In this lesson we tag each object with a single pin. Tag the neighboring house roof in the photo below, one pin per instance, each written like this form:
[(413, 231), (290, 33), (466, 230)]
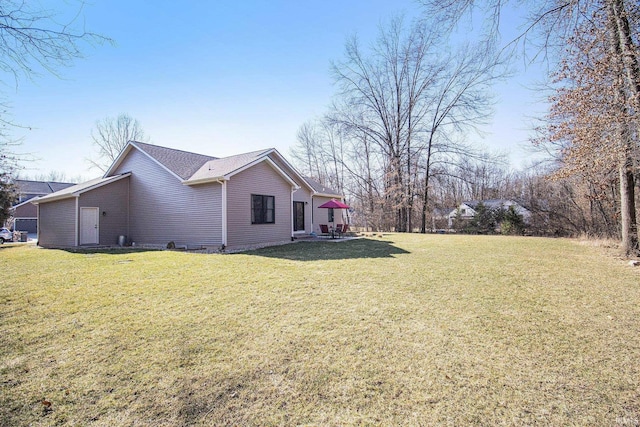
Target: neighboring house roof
[(57, 186), (29, 189), (321, 189), (32, 187), (76, 190)]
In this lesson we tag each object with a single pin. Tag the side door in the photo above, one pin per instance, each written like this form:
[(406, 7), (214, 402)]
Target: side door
[(298, 216), (89, 230)]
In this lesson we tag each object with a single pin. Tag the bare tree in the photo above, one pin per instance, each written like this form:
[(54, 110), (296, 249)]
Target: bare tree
[(32, 40), (111, 135), (462, 100), (307, 151), (406, 102), (383, 96)]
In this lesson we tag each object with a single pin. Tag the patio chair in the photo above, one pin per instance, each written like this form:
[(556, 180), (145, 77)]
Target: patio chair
[(338, 230), (324, 230), (345, 229)]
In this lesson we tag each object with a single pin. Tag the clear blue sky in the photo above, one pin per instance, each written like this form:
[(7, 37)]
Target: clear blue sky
[(215, 77)]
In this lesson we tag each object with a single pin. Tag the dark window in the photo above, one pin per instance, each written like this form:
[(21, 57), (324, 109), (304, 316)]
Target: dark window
[(262, 209), (330, 219)]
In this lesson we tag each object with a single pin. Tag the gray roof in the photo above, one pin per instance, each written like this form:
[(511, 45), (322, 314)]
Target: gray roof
[(39, 187), (320, 188), (57, 186), (182, 163), (218, 168)]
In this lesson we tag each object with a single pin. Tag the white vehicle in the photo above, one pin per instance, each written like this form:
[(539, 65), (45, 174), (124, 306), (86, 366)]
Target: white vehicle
[(5, 235)]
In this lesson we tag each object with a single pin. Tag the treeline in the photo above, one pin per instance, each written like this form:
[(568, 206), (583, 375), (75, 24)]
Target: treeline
[(559, 205)]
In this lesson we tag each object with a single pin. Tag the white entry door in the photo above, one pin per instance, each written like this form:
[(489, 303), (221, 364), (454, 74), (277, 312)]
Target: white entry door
[(89, 226)]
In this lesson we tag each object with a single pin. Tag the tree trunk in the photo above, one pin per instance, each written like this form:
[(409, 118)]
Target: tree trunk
[(629, 227), (626, 63), (425, 197)]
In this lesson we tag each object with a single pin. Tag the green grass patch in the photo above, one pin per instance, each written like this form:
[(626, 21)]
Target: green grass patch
[(393, 330)]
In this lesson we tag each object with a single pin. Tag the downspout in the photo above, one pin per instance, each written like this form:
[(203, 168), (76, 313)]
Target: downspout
[(313, 193), (224, 212), (293, 190), (311, 213), (37, 224), (77, 237), (129, 209)]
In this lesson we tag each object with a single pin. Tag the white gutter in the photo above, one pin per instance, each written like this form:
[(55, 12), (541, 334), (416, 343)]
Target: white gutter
[(190, 182), (333, 196)]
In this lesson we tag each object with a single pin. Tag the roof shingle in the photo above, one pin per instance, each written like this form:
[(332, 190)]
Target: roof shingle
[(319, 188), (182, 163), (220, 167)]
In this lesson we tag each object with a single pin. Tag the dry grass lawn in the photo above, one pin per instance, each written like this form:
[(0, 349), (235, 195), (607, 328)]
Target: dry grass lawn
[(394, 330)]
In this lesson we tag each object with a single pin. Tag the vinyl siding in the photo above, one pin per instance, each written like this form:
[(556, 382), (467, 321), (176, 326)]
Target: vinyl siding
[(28, 210), (286, 169), (162, 209), (259, 179), (111, 199), (57, 223)]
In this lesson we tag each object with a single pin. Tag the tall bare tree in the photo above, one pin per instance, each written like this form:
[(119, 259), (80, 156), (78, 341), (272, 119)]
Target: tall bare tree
[(384, 97), (111, 135), (405, 99), (462, 100)]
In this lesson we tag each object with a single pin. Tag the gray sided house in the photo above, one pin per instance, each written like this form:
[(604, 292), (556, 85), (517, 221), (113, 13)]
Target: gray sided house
[(24, 212), (155, 195)]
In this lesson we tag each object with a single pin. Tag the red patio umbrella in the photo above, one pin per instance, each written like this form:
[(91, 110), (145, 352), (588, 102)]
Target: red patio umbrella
[(333, 204)]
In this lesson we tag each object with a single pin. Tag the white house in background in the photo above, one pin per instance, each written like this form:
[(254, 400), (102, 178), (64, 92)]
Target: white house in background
[(155, 195), (467, 210)]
